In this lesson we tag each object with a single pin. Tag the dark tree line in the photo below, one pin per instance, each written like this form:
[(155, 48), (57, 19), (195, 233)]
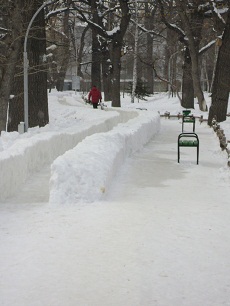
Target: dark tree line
[(17, 15), (108, 22), (221, 84)]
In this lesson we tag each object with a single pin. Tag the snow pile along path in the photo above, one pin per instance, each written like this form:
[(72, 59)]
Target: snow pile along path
[(85, 172), (25, 157)]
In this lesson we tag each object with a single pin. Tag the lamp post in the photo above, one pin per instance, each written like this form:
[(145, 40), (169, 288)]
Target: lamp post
[(26, 65)]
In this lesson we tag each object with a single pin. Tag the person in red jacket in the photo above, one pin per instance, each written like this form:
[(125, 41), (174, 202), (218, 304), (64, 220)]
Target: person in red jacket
[(94, 96)]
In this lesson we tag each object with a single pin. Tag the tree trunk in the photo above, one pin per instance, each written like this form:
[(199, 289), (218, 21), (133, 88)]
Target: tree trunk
[(193, 32), (6, 90), (38, 97), (149, 70), (115, 43), (134, 84), (196, 81), (221, 84), (96, 61), (63, 52), (96, 52), (10, 49), (115, 53), (79, 56), (107, 85), (149, 24), (115, 56), (187, 83), (37, 76)]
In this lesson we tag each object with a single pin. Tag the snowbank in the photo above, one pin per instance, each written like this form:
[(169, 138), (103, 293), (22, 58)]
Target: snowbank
[(85, 172), (23, 158)]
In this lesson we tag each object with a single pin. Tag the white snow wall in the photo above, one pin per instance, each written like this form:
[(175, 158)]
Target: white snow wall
[(84, 173), (22, 159)]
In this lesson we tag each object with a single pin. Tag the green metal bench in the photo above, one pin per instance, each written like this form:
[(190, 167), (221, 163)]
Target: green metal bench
[(188, 119), (188, 140)]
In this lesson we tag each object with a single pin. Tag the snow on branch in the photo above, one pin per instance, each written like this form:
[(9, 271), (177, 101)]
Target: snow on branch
[(207, 46), (92, 24), (2, 36), (101, 31), (143, 29), (51, 48), (57, 11), (3, 29), (114, 31), (171, 26), (4, 32), (217, 10)]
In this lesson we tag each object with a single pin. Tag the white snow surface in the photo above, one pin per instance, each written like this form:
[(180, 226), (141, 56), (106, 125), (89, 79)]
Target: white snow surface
[(72, 174), (96, 210)]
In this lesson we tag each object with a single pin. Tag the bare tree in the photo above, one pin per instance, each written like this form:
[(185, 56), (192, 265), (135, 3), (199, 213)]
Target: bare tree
[(10, 44), (135, 55), (17, 18), (221, 84), (114, 36), (37, 74), (189, 28), (149, 25)]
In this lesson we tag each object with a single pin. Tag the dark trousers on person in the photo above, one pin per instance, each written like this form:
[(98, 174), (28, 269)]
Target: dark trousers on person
[(95, 105)]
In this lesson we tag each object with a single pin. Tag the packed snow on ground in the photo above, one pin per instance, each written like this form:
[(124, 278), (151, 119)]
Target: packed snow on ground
[(96, 210)]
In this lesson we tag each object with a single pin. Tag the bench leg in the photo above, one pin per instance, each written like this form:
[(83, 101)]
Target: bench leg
[(193, 128), (197, 154), (178, 154)]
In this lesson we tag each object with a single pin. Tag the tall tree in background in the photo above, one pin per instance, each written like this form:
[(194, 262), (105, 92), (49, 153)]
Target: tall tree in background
[(37, 75), (106, 62), (11, 30), (96, 50), (18, 16), (187, 81), (221, 84), (59, 33), (170, 16), (192, 28), (149, 24), (115, 47), (135, 53), (114, 36), (191, 21)]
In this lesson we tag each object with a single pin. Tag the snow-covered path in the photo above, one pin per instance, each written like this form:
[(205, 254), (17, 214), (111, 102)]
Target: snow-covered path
[(35, 189), (182, 218), (157, 166), (160, 238)]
